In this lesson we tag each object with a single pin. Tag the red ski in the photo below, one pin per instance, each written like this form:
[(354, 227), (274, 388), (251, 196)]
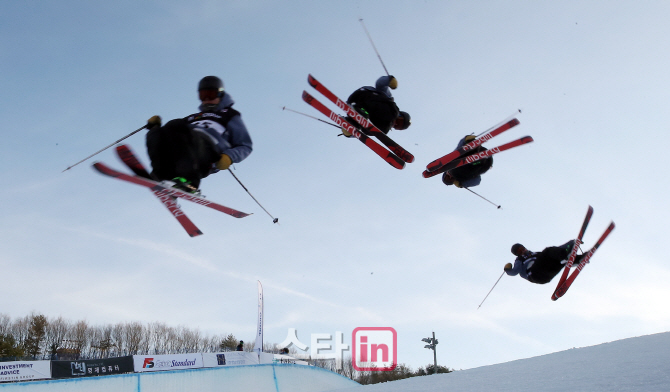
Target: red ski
[(385, 154), (162, 190), (364, 122), (438, 163), (170, 202), (475, 157), (565, 285), (573, 252)]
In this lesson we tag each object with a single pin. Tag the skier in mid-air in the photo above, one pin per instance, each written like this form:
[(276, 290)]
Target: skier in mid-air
[(189, 149), (377, 105), (468, 175), (540, 267)]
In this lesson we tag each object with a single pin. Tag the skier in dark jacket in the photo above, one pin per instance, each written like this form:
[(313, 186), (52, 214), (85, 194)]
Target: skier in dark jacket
[(377, 105), (540, 267), (188, 149), (468, 175)]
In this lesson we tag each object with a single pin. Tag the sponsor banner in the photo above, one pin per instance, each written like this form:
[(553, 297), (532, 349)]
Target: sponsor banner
[(231, 358), (91, 367), (24, 370), (155, 363)]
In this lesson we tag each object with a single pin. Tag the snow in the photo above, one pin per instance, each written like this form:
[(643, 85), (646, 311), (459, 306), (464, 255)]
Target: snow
[(635, 364)]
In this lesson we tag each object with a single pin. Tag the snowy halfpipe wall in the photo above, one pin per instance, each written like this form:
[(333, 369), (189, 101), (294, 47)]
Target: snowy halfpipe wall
[(261, 378)]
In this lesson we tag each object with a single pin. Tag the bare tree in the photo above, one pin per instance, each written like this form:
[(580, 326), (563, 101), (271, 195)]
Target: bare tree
[(118, 337), (56, 332), (19, 330), (5, 322), (79, 339), (134, 334)]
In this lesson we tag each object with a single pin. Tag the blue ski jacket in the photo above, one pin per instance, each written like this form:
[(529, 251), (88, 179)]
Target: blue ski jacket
[(224, 126)]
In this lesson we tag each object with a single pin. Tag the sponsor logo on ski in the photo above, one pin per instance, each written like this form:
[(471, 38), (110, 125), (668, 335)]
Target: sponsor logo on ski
[(478, 142), (481, 155)]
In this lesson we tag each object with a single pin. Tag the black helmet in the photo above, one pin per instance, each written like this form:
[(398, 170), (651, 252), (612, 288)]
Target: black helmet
[(406, 121), (516, 247), (211, 83)]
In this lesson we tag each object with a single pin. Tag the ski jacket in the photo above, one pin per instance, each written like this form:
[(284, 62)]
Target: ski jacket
[(522, 264), (377, 102), (224, 126)]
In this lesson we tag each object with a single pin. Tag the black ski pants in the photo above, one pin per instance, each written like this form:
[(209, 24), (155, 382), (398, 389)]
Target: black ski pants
[(176, 150)]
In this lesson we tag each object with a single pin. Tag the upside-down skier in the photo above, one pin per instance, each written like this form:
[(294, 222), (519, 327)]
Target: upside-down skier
[(189, 149), (540, 267), (468, 175), (377, 105)]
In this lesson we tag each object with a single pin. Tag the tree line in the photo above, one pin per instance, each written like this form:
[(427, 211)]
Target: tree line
[(37, 337)]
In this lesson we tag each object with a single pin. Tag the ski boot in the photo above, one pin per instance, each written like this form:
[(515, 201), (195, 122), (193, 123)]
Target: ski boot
[(185, 185)]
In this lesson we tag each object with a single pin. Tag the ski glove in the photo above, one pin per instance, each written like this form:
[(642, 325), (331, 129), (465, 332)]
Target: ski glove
[(458, 184), (153, 121), (224, 163), (508, 266), (469, 138), (393, 82)]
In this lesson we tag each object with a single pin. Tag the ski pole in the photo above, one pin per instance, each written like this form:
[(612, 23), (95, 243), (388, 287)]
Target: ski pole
[(274, 220), (307, 115), (494, 286), (123, 138), (516, 113), (374, 47), (481, 196)]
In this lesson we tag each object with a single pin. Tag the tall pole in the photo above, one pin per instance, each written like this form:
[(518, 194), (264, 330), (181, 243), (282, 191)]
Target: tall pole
[(434, 356)]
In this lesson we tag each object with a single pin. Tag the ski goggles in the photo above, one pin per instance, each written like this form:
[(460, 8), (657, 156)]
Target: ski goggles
[(210, 94)]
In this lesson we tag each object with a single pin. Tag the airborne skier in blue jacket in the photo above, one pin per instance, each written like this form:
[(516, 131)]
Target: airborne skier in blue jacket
[(189, 149), (540, 267)]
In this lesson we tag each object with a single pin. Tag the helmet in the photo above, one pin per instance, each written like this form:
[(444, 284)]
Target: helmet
[(516, 247), (406, 121), (211, 83)]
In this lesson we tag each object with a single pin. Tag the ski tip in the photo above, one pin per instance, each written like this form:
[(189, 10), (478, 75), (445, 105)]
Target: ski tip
[(306, 96)]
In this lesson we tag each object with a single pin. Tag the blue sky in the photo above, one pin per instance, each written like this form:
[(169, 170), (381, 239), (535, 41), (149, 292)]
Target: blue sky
[(360, 244)]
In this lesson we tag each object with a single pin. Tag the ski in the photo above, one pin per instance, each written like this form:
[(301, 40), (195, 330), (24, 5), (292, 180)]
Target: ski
[(385, 154), (438, 163), (475, 157), (161, 190), (170, 202), (573, 251), (563, 288), (364, 122)]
